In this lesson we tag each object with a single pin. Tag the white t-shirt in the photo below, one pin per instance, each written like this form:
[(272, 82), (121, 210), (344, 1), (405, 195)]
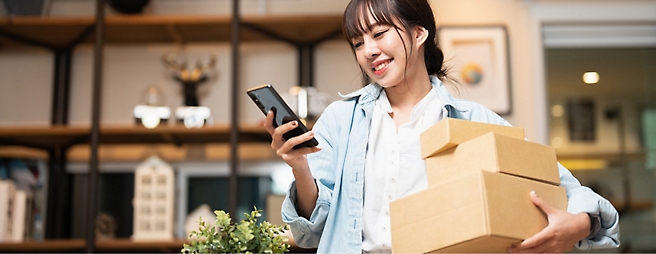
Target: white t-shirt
[(393, 166)]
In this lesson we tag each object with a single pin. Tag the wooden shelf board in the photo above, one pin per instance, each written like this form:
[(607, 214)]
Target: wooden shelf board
[(62, 31), (105, 245), (45, 137), (116, 245), (22, 152), (75, 245), (44, 246)]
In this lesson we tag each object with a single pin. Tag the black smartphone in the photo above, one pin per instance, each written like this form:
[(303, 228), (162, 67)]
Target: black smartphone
[(267, 98)]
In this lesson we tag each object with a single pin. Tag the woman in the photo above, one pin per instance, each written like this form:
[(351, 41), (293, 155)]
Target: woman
[(369, 142)]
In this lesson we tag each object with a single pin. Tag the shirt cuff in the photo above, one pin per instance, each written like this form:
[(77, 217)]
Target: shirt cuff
[(595, 226)]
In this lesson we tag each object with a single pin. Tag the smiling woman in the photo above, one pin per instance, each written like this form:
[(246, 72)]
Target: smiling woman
[(340, 198)]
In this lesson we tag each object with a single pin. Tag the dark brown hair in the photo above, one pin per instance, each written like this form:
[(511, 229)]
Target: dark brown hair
[(408, 14)]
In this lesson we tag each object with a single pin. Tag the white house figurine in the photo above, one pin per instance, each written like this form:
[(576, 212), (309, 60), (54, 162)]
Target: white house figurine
[(154, 188)]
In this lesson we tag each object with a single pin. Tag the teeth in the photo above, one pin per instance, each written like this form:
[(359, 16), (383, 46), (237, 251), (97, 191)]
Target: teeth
[(381, 65)]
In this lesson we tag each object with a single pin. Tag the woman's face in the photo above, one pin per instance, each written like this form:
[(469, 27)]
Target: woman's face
[(382, 54)]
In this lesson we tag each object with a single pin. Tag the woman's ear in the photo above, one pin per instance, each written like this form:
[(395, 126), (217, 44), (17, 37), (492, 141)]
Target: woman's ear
[(421, 34)]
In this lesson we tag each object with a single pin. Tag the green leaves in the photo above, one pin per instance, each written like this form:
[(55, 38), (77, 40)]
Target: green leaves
[(246, 237)]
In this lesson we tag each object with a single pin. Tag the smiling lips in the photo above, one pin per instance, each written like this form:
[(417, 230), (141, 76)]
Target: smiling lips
[(381, 65)]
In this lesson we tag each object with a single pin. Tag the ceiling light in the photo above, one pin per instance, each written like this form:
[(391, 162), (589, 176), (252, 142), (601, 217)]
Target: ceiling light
[(591, 77)]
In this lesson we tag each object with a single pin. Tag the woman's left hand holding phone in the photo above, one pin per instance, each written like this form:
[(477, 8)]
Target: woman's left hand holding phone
[(307, 191)]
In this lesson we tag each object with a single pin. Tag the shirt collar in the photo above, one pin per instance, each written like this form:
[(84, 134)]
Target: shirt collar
[(372, 91), (418, 110)]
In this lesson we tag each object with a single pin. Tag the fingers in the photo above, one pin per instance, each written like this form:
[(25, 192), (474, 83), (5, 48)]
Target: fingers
[(277, 133), (288, 146), (537, 249), (531, 243), (544, 206), (268, 122), (300, 152), (285, 148)]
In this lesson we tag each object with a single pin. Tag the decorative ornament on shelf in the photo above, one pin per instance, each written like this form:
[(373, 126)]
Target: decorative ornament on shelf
[(105, 226), (154, 190), (151, 112), (246, 237), (191, 114), (307, 102)]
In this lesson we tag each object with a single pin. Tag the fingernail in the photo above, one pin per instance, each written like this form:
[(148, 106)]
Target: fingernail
[(311, 134), (533, 193), (294, 123)]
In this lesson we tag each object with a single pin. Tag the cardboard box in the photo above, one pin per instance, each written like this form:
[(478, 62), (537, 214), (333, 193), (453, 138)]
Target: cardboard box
[(496, 153), (480, 212), (450, 132)]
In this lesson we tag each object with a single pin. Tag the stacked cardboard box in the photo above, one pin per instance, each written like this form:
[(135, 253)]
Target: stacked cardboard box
[(480, 177)]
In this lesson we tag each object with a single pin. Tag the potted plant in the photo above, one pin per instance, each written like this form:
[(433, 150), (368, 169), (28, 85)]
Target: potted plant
[(248, 236)]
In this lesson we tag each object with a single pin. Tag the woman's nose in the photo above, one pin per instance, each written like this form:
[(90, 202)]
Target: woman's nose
[(371, 50)]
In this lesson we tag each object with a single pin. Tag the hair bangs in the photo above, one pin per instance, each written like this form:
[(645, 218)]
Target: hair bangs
[(356, 17)]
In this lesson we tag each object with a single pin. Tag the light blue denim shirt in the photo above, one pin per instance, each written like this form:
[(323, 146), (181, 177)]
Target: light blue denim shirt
[(335, 225)]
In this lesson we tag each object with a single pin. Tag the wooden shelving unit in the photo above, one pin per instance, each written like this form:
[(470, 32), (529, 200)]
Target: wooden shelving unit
[(62, 34)]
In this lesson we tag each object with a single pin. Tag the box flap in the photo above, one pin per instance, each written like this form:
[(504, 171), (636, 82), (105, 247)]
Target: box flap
[(450, 132), (495, 153)]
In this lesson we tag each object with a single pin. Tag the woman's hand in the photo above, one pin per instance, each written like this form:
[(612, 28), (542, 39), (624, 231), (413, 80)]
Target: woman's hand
[(284, 148), (306, 189), (562, 233)]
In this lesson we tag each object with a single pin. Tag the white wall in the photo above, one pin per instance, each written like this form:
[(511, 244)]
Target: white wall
[(26, 78)]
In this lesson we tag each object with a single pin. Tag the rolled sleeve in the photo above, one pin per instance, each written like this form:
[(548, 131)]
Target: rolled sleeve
[(582, 199), (307, 233)]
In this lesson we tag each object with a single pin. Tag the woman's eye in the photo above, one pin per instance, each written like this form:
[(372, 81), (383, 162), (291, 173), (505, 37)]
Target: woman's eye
[(378, 34), (357, 44)]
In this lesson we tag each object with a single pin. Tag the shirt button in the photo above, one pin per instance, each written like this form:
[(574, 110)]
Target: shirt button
[(389, 197), (393, 180), (384, 228), (386, 213)]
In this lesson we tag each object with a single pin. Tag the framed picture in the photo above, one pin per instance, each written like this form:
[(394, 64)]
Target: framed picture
[(478, 59)]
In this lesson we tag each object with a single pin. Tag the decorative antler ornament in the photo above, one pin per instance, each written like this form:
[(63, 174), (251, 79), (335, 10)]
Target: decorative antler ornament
[(190, 78), (192, 114)]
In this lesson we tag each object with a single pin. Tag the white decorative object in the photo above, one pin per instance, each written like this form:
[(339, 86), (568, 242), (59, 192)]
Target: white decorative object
[(193, 117), (151, 116), (20, 215), (152, 111), (153, 200), (7, 190), (202, 212), (307, 102)]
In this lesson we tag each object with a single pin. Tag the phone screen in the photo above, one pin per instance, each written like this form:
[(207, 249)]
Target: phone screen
[(267, 99)]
